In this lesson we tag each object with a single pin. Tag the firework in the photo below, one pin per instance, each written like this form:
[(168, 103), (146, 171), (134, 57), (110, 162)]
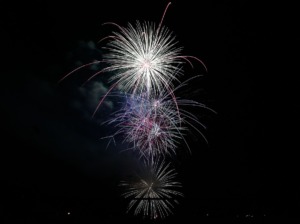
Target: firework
[(145, 63), (151, 129), (155, 126), (143, 58), (155, 193)]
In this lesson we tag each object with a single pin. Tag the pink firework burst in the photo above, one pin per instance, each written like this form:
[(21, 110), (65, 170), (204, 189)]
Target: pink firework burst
[(155, 126)]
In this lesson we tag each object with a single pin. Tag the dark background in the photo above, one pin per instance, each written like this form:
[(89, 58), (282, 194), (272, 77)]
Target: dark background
[(55, 168)]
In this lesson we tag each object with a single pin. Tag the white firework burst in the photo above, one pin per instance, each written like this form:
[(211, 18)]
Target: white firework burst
[(143, 57), (154, 194)]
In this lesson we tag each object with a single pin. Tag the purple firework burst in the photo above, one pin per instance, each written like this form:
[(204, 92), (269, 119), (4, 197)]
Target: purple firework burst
[(154, 126)]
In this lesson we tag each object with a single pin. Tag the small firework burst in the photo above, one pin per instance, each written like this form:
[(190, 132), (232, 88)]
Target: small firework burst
[(155, 193)]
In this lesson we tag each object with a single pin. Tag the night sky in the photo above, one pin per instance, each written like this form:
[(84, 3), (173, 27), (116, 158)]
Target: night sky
[(57, 169)]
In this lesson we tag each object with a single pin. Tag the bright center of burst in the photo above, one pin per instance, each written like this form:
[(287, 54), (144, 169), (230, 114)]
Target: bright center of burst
[(156, 103), (146, 64), (146, 61)]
